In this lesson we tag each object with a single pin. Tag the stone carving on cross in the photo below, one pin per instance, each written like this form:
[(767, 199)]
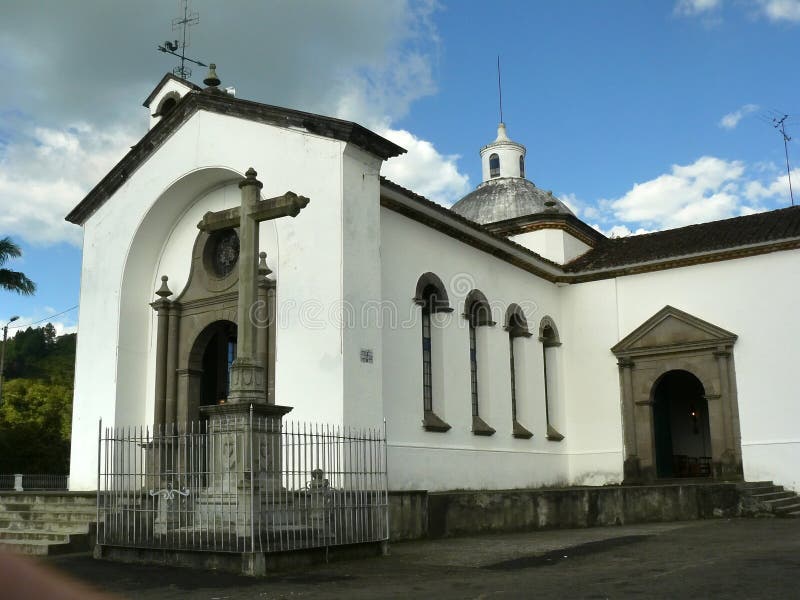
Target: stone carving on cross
[(247, 374)]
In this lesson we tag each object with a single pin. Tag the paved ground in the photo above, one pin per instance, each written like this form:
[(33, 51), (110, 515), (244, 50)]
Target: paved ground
[(755, 558)]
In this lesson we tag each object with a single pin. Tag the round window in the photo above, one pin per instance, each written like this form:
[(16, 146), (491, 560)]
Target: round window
[(223, 247)]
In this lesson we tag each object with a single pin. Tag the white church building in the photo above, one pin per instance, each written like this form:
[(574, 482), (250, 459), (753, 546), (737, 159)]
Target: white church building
[(506, 343)]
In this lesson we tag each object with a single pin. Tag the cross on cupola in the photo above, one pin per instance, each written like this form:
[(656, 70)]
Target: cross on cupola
[(247, 373)]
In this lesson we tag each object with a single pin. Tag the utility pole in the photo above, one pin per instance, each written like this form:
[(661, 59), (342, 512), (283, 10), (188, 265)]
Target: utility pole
[(780, 125), (3, 354)]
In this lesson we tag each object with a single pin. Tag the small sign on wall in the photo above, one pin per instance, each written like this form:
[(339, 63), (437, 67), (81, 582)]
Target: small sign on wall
[(366, 355)]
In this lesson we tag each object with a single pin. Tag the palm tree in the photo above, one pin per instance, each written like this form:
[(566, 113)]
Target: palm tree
[(13, 280)]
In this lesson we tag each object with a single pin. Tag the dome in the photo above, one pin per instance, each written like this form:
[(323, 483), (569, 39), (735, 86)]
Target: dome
[(505, 198)]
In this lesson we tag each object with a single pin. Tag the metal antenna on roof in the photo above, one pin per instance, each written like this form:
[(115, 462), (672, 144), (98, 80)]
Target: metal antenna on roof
[(499, 88), (183, 23), (780, 125)]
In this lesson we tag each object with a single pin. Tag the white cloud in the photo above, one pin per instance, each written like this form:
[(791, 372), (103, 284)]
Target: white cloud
[(424, 170), (367, 62), (708, 189), (780, 10), (618, 231), (696, 7), (731, 120), (45, 172)]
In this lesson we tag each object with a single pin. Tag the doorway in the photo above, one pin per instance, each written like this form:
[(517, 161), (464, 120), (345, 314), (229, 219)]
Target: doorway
[(681, 430), (218, 356)]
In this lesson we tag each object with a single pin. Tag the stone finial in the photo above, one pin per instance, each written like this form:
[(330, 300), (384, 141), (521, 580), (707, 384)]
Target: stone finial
[(164, 290), (250, 179), (263, 269), (211, 79)]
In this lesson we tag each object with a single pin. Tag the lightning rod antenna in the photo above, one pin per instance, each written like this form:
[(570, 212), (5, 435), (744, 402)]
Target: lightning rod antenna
[(178, 47), (499, 88), (780, 125)]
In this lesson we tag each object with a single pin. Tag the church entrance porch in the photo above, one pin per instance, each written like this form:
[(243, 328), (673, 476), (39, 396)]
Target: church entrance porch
[(677, 376), (680, 426)]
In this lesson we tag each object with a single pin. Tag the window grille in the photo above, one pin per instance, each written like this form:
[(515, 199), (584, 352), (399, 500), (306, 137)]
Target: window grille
[(473, 368), (427, 383), (494, 165)]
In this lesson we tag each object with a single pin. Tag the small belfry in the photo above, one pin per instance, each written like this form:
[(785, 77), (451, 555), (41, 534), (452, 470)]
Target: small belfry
[(503, 157)]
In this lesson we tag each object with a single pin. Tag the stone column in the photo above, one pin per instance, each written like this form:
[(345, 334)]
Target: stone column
[(631, 466), (247, 375), (729, 461), (171, 415), (272, 331), (161, 306)]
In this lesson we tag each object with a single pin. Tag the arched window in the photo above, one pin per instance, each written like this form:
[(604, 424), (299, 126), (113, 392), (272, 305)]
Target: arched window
[(548, 336), (494, 165), (167, 104), (517, 328), (522, 166), (478, 313), (432, 298)]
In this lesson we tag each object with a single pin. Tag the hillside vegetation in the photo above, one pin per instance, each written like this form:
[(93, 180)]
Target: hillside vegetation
[(36, 410)]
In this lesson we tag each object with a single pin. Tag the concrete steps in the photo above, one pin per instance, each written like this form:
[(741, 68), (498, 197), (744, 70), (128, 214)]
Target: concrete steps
[(47, 523), (764, 497)]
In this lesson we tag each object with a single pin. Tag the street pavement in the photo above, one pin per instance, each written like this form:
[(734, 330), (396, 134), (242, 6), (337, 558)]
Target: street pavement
[(725, 558)]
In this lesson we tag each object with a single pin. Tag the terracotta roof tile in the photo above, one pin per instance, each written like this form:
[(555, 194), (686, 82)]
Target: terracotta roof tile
[(727, 234)]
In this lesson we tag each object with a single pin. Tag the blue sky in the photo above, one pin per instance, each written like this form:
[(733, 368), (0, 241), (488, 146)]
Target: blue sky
[(642, 115)]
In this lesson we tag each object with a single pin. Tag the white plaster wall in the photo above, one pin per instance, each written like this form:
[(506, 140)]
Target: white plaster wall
[(126, 238), (554, 244), (754, 298), (361, 285), (590, 383), (419, 459)]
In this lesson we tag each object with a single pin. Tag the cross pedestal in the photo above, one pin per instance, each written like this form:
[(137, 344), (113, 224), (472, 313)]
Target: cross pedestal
[(245, 433)]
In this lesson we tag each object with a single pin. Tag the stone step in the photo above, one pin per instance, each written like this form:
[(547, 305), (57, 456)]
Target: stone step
[(54, 526), (45, 517), (783, 502), (35, 535), (788, 510), (49, 497), (773, 496), (47, 508), (747, 485), (75, 543)]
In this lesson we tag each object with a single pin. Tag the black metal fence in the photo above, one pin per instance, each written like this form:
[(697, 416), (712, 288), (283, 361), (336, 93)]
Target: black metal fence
[(238, 484)]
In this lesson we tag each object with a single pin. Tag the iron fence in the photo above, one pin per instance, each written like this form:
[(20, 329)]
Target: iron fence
[(242, 484), (25, 482)]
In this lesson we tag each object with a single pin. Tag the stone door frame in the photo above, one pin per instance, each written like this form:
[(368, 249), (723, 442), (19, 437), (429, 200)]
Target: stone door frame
[(674, 340)]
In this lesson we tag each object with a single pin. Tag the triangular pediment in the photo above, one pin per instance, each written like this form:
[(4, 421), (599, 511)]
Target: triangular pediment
[(673, 329)]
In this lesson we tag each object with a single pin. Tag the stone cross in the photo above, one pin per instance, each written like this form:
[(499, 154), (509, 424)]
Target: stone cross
[(247, 374)]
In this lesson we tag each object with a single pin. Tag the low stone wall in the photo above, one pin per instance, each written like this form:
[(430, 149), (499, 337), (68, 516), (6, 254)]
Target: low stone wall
[(416, 514)]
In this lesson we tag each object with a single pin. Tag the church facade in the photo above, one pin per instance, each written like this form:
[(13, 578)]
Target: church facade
[(505, 342)]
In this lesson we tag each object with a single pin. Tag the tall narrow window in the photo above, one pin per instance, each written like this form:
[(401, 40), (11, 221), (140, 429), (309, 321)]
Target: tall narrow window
[(548, 336), (427, 376), (517, 328), (473, 368), (513, 372), (432, 298), (478, 315), (522, 166), (494, 165)]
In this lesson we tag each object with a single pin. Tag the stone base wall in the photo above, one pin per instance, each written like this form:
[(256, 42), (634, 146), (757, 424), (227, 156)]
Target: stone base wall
[(416, 514)]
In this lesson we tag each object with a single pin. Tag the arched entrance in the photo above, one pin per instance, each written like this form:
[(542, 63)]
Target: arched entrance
[(212, 355), (680, 426), (693, 360), (218, 357)]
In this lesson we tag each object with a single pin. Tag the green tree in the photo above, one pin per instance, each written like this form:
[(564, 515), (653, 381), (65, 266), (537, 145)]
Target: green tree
[(14, 281)]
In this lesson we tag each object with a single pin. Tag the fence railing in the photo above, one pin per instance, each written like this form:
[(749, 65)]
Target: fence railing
[(26, 482), (242, 484)]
